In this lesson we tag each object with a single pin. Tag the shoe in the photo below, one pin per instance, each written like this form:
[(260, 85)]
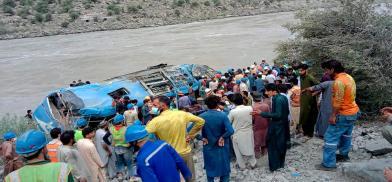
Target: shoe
[(321, 167), (342, 158)]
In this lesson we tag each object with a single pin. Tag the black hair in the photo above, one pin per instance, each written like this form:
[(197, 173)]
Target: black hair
[(324, 64), (134, 101), (294, 81), (238, 99), (245, 92), (269, 72), (290, 69), (28, 111), (35, 155), (88, 82), (55, 132), (212, 101), (303, 66), (271, 87), (335, 65), (165, 100), (126, 97), (66, 137), (282, 88), (87, 131)]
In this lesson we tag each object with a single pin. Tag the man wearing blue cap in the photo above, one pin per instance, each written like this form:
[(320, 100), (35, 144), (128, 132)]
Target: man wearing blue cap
[(11, 159), (156, 161), (121, 148), (31, 145)]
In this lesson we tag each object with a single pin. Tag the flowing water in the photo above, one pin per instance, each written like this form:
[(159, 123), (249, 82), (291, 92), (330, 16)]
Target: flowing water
[(30, 68)]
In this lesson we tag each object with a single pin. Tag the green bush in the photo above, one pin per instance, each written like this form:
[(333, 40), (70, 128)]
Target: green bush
[(87, 4), (113, 9), (74, 15), (132, 9), (42, 6), (48, 17), (10, 3), (179, 3), (66, 6), (24, 12), (217, 2), (38, 17), (207, 3), (3, 28), (14, 123), (26, 2), (194, 4), (354, 34), (64, 24), (177, 12), (8, 9)]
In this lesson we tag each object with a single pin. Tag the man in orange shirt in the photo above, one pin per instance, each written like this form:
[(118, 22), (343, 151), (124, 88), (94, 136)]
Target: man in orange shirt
[(341, 122)]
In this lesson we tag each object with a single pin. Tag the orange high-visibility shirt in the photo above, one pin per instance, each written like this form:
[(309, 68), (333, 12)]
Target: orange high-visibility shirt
[(343, 95), (52, 147)]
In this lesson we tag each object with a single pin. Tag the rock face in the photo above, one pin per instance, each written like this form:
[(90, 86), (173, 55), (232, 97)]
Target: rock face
[(371, 170), (379, 147)]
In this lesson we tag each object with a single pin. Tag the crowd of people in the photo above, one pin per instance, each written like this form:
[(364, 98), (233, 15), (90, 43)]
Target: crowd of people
[(239, 115)]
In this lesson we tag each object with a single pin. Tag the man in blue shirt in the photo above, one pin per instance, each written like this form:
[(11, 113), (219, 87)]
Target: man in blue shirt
[(156, 161)]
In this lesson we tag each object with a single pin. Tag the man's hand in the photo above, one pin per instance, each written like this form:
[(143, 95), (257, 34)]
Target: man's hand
[(388, 174), (188, 139), (221, 142), (332, 119), (205, 141), (255, 113), (306, 90)]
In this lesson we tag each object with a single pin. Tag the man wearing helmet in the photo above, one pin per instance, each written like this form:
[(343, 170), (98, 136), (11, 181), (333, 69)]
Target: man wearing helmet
[(122, 150), (152, 156), (11, 159), (31, 145)]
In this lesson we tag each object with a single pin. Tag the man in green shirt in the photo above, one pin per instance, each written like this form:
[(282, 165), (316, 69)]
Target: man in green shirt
[(32, 146), (308, 106), (278, 134)]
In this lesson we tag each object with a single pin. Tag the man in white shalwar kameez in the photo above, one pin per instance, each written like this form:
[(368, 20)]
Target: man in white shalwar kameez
[(243, 141), (104, 150), (89, 153), (68, 154)]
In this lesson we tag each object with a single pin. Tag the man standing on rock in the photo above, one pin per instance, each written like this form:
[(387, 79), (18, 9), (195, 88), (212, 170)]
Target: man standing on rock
[(344, 114), (277, 136)]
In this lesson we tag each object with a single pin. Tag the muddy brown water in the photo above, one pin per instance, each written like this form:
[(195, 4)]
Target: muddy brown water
[(30, 68)]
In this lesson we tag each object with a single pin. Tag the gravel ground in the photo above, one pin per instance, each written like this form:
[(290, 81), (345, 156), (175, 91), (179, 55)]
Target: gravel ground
[(300, 160)]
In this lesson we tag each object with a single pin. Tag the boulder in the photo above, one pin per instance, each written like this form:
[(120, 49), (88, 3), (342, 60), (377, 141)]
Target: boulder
[(379, 147), (370, 170)]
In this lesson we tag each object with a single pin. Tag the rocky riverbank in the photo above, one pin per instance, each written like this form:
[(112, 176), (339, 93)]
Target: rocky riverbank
[(27, 18)]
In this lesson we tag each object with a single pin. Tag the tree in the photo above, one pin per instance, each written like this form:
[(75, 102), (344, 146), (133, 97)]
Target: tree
[(353, 33)]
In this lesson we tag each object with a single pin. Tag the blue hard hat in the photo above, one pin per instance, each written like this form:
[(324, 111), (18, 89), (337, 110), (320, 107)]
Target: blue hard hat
[(30, 141), (81, 122), (244, 79), (238, 82), (135, 132), (129, 106), (118, 119), (9, 135)]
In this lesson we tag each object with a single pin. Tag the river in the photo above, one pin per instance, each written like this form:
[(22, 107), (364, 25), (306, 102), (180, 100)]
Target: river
[(32, 67)]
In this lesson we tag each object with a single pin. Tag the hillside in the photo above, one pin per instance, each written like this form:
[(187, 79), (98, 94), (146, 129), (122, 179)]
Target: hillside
[(32, 18)]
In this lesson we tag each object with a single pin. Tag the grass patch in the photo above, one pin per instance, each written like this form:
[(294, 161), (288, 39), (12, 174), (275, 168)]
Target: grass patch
[(113, 9)]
